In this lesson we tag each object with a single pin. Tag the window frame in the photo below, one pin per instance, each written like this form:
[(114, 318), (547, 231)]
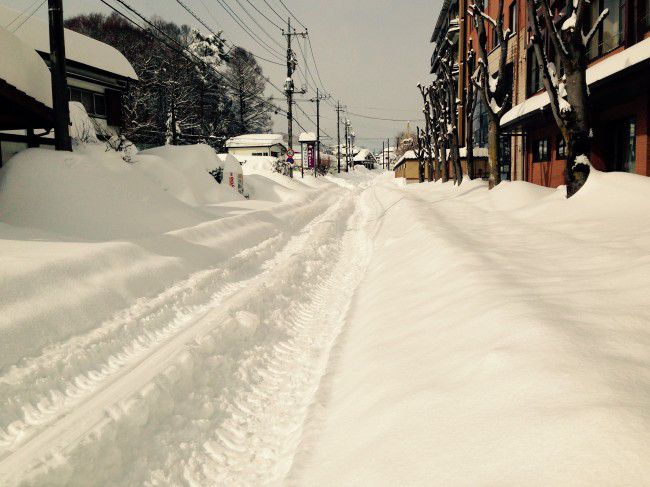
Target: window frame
[(93, 95), (513, 12), (536, 150)]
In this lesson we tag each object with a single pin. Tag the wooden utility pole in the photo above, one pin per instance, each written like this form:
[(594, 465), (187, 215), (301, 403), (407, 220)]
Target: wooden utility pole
[(383, 155), (338, 134), (59, 83), (289, 88), (388, 149), (317, 134)]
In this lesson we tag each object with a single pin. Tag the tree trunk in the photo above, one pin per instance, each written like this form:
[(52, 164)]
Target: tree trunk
[(578, 140), (494, 144), (455, 157), (443, 164)]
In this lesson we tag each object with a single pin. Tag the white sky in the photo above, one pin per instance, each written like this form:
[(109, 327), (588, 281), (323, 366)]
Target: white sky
[(370, 53)]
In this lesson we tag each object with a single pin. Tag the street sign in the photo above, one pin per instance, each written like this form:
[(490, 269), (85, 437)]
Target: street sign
[(290, 160), (290, 153)]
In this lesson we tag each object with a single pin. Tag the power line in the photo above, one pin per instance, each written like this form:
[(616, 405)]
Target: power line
[(181, 50), (258, 24), (385, 119), (311, 49), (238, 20), (291, 13), (198, 19), (26, 18), (274, 11), (263, 15)]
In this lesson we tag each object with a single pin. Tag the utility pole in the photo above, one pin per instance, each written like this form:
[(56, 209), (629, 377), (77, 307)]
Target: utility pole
[(289, 87), (347, 145), (59, 83), (338, 133), (383, 155), (317, 134), (388, 157)]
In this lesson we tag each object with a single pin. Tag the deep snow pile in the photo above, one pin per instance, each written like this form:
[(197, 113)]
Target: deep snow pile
[(498, 338), (184, 172), (85, 235)]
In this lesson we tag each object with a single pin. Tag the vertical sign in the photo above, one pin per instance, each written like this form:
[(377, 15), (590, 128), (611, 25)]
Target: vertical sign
[(311, 155)]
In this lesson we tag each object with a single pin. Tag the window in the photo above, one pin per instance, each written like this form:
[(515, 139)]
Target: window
[(505, 161), (561, 148), (513, 17), (480, 124), (611, 33), (94, 103), (625, 146), (534, 76), (540, 150), (275, 154)]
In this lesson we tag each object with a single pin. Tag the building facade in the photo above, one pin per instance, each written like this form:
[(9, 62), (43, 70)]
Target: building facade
[(97, 76), (532, 149), (271, 145)]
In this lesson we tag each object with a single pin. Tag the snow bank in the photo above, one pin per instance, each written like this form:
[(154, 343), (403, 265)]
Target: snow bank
[(184, 172), (90, 195), (23, 68), (499, 338)]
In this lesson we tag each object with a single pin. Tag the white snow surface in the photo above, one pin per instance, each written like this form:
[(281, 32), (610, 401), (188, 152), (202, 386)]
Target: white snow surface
[(340, 331), (23, 68), (80, 48), (255, 140), (609, 66)]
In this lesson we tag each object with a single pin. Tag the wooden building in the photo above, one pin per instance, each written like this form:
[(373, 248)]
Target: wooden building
[(97, 76)]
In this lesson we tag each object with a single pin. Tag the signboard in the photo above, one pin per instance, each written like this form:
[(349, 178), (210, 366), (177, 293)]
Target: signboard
[(311, 155), (290, 160), (290, 154)]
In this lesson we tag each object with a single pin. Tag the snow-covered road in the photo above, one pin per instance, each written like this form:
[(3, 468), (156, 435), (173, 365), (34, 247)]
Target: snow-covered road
[(374, 334)]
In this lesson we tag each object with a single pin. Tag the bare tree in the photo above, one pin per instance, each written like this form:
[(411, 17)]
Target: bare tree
[(247, 85), (420, 152), (428, 137), (438, 103), (470, 109), (566, 84), (451, 101), (494, 89)]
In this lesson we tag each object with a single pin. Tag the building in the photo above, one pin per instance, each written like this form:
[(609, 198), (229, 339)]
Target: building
[(97, 76), (365, 158), (620, 97), (25, 94), (272, 145), (408, 167), (532, 149)]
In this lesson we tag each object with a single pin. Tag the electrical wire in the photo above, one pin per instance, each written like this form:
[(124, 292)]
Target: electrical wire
[(28, 17), (198, 19), (291, 13)]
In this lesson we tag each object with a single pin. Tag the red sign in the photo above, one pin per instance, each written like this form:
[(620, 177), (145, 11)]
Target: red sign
[(290, 153)]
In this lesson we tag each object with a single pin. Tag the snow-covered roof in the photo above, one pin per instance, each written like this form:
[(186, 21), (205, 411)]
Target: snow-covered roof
[(79, 48), (255, 140), (362, 156), (408, 155), (307, 137), (23, 68), (625, 59)]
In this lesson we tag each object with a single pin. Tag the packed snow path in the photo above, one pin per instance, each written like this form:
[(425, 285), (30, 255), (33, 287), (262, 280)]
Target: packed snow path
[(422, 335), (207, 393)]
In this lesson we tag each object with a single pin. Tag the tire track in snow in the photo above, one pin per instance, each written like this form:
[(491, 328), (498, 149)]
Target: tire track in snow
[(47, 444), (257, 442)]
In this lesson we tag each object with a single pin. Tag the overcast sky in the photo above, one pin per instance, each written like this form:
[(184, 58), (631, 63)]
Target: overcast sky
[(370, 53)]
